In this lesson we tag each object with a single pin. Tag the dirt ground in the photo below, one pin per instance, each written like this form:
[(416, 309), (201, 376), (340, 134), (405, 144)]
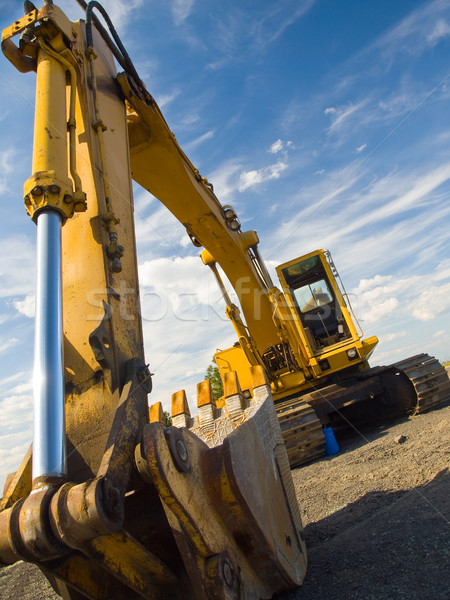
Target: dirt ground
[(376, 519)]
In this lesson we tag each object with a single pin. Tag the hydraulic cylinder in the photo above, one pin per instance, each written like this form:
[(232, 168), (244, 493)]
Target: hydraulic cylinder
[(48, 380), (50, 167)]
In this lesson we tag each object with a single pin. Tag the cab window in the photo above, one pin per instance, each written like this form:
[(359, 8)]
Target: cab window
[(312, 295)]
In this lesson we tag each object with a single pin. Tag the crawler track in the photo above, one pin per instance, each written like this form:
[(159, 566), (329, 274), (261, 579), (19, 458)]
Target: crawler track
[(430, 380), (411, 386), (301, 429)]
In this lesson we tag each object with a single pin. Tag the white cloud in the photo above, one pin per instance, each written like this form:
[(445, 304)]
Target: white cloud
[(439, 333), (181, 9), (278, 19), (165, 99), (342, 116), (157, 230), (276, 147), (249, 32), (441, 30), (6, 167), (16, 408), (181, 284), (17, 267), (387, 219), (419, 30), (7, 343), (361, 148), (280, 146), (13, 447), (379, 307), (26, 306), (198, 141), (249, 179), (226, 179), (183, 322), (119, 12), (422, 297), (390, 337), (431, 303)]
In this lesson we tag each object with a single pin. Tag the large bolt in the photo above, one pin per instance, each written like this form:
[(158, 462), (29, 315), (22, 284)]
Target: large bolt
[(178, 449), (112, 500), (228, 575), (116, 265), (222, 580), (37, 191), (182, 450)]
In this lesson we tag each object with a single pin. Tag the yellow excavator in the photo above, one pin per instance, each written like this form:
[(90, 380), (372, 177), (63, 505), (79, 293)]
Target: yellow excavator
[(109, 502)]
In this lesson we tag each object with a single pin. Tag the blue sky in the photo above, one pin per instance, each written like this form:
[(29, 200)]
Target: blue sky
[(324, 123)]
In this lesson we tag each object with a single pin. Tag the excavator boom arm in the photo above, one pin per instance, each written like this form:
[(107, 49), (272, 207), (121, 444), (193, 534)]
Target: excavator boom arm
[(160, 166)]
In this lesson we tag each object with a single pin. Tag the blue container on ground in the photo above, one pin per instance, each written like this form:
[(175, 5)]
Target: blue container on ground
[(331, 445)]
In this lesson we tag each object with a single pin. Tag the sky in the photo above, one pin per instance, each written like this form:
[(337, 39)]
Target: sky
[(325, 124)]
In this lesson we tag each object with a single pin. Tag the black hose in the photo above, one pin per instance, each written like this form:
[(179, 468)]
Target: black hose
[(118, 49), (28, 6)]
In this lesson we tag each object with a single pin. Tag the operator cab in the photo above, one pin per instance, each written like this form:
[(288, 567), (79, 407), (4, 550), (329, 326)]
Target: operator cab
[(315, 299)]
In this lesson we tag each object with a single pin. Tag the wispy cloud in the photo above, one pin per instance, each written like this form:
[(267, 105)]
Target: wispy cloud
[(119, 12), (421, 29), (252, 178), (343, 116), (17, 272), (165, 99), (7, 343), (198, 141), (6, 167), (181, 9), (441, 30), (16, 407), (226, 178), (244, 32), (281, 15), (379, 220)]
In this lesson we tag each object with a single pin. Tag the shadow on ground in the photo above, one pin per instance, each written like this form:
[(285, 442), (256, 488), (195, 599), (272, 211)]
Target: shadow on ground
[(372, 549)]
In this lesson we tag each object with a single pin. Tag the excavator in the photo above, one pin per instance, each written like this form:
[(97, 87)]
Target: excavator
[(109, 502)]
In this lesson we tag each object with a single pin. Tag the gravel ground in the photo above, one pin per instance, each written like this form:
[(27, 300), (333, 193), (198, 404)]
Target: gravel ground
[(376, 516), (376, 519)]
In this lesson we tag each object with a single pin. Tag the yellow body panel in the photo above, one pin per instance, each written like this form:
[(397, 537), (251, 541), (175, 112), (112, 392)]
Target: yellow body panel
[(316, 363)]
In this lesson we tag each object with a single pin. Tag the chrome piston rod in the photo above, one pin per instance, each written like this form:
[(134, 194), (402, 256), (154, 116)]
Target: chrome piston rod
[(48, 379)]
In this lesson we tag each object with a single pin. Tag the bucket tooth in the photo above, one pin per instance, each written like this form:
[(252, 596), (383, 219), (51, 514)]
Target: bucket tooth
[(258, 376), (156, 413), (234, 400), (181, 415), (205, 404)]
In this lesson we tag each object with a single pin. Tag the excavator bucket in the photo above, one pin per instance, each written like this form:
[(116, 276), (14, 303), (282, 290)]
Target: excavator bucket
[(212, 512)]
